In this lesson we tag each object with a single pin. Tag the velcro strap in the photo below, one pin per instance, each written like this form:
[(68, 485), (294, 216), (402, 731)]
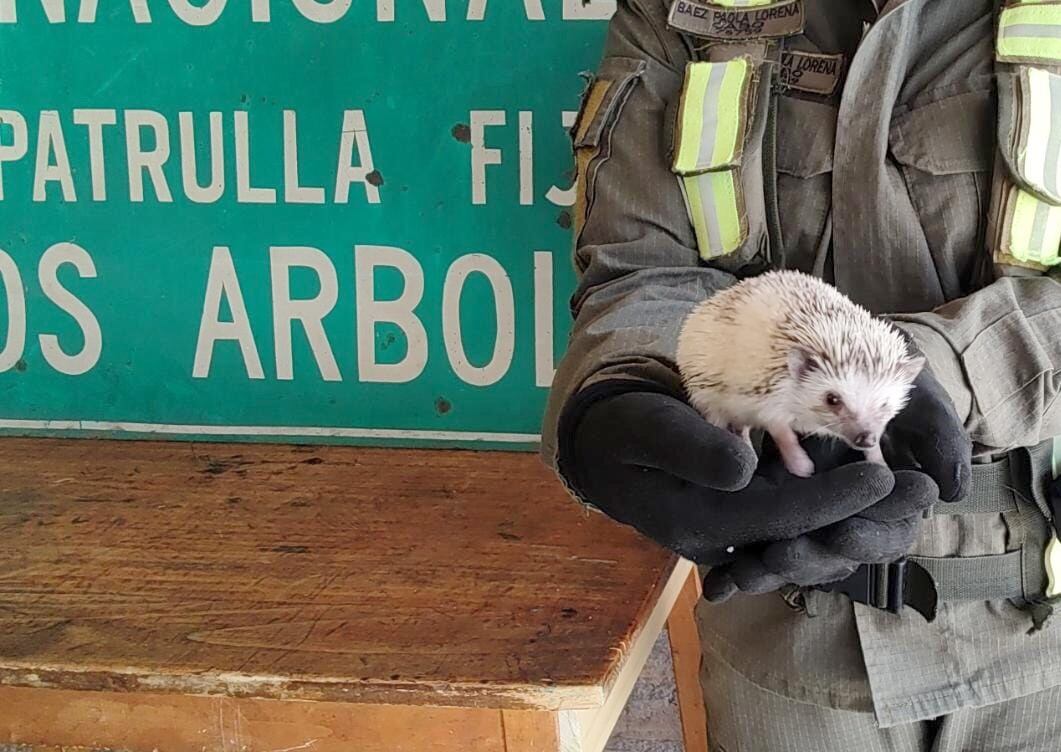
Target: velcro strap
[(1030, 33), (713, 116), (1026, 228), (990, 491), (716, 210), (975, 578)]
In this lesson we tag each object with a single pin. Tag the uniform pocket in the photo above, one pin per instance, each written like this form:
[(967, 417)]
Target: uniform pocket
[(602, 104), (944, 153), (805, 143)]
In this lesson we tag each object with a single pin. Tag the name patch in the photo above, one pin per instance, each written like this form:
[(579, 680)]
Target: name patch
[(725, 23), (807, 71)]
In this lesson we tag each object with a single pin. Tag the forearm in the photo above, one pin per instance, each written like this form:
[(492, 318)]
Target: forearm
[(998, 353)]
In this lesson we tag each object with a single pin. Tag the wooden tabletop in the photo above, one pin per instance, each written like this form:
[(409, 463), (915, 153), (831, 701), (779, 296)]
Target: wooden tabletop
[(321, 573)]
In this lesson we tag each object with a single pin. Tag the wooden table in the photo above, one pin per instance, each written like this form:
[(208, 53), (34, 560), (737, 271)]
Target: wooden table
[(235, 598)]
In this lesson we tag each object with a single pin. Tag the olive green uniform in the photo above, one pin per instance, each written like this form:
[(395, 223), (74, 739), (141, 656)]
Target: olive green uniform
[(883, 187)]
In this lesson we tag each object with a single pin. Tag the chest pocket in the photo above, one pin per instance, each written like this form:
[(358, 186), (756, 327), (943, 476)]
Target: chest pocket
[(943, 150), (805, 142)]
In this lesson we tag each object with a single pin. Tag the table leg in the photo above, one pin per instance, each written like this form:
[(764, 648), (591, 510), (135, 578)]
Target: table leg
[(685, 650)]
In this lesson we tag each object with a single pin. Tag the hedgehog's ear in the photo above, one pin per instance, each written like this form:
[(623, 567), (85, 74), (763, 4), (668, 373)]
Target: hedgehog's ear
[(911, 366), (801, 363)]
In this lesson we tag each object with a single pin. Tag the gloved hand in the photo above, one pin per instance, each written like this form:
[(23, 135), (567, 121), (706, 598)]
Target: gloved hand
[(926, 435), (880, 534), (651, 461)]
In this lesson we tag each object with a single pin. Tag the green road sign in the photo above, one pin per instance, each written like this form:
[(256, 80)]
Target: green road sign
[(289, 220)]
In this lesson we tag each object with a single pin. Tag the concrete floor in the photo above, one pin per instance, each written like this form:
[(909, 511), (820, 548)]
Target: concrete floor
[(651, 722)]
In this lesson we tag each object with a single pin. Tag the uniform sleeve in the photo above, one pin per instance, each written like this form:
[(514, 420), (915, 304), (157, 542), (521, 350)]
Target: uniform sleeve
[(998, 354), (637, 265)]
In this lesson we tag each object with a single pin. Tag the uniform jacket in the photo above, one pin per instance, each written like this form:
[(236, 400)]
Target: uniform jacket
[(882, 189)]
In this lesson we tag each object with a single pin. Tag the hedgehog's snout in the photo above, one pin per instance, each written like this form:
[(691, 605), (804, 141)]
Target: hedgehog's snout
[(865, 440)]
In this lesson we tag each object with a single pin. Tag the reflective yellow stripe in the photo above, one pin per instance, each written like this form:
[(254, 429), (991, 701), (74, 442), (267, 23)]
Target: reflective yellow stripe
[(1030, 32), (1034, 229), (711, 115), (716, 211)]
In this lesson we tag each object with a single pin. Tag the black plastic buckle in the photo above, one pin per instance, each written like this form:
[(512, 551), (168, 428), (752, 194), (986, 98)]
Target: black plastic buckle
[(891, 587)]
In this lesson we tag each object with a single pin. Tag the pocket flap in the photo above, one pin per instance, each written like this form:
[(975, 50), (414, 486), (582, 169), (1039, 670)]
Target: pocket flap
[(807, 147), (946, 137), (1029, 131), (713, 114), (609, 89)]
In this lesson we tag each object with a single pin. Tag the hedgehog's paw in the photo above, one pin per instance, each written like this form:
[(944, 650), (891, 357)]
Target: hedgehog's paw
[(875, 455), (800, 465), (796, 459)]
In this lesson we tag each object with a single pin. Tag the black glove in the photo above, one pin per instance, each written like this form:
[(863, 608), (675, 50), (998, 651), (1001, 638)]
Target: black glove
[(651, 461), (927, 435), (880, 534)]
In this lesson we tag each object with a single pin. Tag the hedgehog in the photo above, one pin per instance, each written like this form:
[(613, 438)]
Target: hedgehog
[(790, 354)]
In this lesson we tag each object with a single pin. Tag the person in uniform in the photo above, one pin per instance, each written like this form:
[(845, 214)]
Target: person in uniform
[(909, 153)]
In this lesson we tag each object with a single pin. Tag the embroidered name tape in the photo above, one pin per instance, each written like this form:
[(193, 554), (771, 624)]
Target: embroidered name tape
[(810, 72), (734, 20), (1030, 33)]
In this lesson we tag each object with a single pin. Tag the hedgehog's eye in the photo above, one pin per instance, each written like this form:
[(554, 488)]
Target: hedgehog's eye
[(832, 399)]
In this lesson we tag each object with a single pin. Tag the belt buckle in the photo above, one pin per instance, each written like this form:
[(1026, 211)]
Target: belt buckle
[(891, 587)]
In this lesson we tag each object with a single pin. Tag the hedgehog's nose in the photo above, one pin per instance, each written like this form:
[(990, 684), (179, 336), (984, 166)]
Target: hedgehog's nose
[(866, 440)]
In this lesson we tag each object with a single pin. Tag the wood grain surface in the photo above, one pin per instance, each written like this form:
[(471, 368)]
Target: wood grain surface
[(319, 573)]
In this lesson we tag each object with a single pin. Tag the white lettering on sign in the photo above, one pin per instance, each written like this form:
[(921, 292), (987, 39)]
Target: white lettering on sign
[(193, 189), (504, 316), (197, 15), (316, 11), (401, 312), (143, 160), (94, 121), (50, 143), (245, 192), (15, 340), (532, 8), (354, 138), (556, 195), (308, 312), (322, 12), (87, 357), (526, 158), (14, 293), (436, 10), (223, 283), (481, 155), (16, 150), (293, 192), (543, 319), (149, 146)]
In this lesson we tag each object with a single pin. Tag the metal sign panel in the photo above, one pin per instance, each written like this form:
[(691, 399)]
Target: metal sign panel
[(290, 220)]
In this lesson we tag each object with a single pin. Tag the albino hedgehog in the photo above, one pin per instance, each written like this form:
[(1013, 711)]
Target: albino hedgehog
[(790, 354)]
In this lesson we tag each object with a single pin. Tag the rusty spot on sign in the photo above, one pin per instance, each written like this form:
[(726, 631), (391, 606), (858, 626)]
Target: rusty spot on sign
[(443, 406), (20, 366), (374, 178), (462, 133), (564, 220)]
